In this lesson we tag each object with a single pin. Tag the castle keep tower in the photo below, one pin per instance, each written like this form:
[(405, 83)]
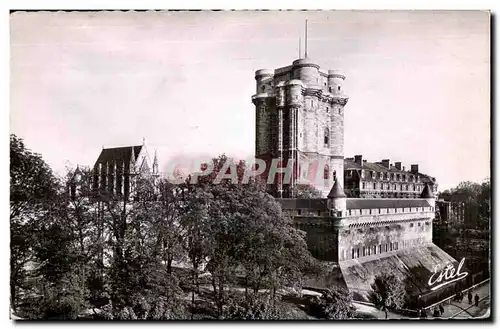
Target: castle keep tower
[(300, 121)]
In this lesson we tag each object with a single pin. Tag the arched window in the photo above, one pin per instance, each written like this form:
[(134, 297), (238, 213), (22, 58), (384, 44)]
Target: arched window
[(327, 137), (263, 88), (326, 172)]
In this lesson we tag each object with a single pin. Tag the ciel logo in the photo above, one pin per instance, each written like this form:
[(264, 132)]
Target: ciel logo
[(447, 275)]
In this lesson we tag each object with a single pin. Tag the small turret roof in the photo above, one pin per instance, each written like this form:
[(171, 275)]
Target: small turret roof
[(337, 191), (427, 192)]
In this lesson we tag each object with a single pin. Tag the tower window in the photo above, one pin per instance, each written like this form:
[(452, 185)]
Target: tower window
[(263, 88), (327, 109), (330, 89), (326, 172), (338, 88), (327, 137)]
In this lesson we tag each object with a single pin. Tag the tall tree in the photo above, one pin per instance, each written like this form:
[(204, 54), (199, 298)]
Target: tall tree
[(306, 191), (33, 187), (245, 230), (388, 293), (334, 304)]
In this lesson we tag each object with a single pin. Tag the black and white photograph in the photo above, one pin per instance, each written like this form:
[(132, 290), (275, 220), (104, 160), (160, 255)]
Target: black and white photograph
[(250, 165)]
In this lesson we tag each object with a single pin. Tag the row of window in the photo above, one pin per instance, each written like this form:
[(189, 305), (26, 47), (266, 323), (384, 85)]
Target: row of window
[(386, 176), (420, 225), (378, 211), (372, 250), (391, 187), (364, 251)]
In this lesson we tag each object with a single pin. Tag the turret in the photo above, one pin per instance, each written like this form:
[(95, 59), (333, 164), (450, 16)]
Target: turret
[(335, 82), (428, 195), (295, 97), (307, 71), (337, 200), (264, 78)]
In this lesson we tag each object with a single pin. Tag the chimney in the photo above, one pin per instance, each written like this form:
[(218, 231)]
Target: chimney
[(358, 159), (414, 168), (397, 165), (386, 163)]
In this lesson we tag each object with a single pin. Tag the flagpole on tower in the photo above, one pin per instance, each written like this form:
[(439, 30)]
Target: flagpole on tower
[(300, 47), (306, 40)]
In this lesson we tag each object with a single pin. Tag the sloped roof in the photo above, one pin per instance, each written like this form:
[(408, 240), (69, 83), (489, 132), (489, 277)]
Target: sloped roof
[(350, 164), (413, 266), (316, 204), (385, 203), (337, 191), (118, 155), (427, 192)]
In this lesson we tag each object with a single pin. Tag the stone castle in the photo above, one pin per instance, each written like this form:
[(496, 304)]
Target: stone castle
[(381, 221), (300, 120)]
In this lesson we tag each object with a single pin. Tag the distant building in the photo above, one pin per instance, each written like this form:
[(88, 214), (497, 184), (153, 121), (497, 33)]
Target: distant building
[(382, 179), (116, 169)]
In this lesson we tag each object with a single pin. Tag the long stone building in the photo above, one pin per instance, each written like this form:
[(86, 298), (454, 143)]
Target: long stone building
[(381, 221)]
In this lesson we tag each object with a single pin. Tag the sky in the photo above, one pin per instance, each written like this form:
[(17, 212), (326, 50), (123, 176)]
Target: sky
[(418, 83)]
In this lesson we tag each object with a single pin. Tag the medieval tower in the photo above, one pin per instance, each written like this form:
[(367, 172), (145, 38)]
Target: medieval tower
[(300, 121)]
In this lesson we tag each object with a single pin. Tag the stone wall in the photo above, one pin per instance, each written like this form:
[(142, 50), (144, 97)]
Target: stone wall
[(360, 242)]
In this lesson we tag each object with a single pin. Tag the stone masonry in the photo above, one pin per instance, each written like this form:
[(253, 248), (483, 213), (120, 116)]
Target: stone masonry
[(300, 118)]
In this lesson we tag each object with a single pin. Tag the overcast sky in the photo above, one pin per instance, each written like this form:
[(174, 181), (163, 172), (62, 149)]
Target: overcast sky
[(418, 83)]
